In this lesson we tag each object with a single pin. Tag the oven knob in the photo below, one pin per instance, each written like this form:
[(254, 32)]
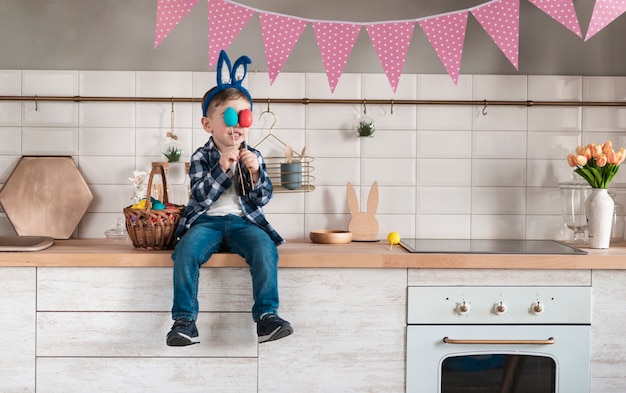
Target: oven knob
[(463, 308), (499, 308), (537, 307)]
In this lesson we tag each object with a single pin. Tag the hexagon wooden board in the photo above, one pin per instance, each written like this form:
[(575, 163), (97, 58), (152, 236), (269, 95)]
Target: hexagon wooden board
[(45, 196)]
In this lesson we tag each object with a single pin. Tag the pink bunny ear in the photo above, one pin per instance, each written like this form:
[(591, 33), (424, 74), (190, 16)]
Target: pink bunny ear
[(372, 199), (353, 202)]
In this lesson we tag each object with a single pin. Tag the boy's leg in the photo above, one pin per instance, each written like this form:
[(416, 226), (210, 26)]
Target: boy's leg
[(194, 249), (261, 254), (255, 245)]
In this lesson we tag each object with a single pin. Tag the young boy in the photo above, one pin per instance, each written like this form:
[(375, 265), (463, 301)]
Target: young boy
[(229, 187)]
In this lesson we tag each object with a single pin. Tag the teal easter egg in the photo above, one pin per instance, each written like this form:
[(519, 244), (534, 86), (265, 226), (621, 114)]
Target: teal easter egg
[(230, 117), (158, 206)]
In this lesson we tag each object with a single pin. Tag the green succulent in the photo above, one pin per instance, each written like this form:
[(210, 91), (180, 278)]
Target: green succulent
[(173, 153), (366, 128)]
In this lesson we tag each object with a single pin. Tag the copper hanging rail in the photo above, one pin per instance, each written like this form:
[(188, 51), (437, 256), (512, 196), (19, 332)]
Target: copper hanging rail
[(307, 101)]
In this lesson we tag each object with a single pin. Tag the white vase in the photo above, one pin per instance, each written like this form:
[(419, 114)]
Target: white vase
[(599, 209)]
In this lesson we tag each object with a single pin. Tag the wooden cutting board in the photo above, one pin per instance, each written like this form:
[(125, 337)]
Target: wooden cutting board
[(45, 196), (363, 225)]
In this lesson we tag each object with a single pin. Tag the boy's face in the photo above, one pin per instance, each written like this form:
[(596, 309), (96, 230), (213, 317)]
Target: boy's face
[(225, 136)]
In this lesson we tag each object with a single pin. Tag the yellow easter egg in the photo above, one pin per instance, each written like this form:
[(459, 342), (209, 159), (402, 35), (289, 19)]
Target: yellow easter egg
[(139, 205), (393, 238)]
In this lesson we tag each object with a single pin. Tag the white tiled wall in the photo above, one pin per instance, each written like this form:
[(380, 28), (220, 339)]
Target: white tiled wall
[(444, 171)]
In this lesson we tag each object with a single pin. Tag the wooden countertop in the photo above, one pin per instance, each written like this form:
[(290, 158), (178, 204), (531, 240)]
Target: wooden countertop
[(305, 254)]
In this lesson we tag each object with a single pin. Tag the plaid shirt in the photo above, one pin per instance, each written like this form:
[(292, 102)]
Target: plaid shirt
[(209, 181)]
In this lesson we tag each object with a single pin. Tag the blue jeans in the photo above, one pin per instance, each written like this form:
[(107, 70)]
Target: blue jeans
[(210, 234)]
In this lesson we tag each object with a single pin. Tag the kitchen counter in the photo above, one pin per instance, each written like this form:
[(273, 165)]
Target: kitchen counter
[(305, 254)]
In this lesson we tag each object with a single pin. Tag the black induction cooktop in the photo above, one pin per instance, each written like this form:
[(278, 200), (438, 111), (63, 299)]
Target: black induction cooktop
[(482, 246)]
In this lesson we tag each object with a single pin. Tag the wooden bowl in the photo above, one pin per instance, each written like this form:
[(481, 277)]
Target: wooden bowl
[(330, 236)]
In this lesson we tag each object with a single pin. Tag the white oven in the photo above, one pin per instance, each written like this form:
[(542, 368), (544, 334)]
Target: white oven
[(498, 339)]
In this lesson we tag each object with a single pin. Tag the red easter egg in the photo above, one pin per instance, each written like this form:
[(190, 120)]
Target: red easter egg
[(245, 118)]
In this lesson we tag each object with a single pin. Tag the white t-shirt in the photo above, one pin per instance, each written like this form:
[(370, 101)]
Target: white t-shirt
[(228, 202)]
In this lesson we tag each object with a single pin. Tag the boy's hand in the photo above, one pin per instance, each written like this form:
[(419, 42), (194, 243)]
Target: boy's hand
[(249, 160), (228, 157)]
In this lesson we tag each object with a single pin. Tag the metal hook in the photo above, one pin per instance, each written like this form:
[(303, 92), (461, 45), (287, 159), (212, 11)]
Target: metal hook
[(484, 111), (392, 106), (36, 103), (364, 107), (269, 112)]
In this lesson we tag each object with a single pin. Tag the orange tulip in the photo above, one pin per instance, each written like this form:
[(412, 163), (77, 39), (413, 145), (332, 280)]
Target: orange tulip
[(581, 160), (571, 160), (611, 157), (620, 156), (596, 150), (591, 161)]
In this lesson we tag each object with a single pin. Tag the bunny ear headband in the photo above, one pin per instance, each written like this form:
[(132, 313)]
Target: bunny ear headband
[(229, 77)]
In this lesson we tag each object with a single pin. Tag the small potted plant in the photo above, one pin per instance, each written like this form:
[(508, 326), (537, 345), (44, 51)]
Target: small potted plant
[(176, 170), (173, 153), (365, 127)]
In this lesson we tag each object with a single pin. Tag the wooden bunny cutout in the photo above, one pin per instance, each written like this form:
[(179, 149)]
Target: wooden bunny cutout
[(363, 225)]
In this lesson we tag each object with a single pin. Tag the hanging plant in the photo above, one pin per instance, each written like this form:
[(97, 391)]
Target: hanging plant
[(365, 127), (173, 153)]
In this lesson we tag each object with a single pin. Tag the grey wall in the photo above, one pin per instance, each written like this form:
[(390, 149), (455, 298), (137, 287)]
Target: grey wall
[(119, 35)]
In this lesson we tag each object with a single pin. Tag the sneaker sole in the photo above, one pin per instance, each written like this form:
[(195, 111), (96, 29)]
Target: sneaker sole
[(278, 333), (181, 340)]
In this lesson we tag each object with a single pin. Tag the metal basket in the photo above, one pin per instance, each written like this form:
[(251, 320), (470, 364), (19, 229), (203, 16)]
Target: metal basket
[(291, 180)]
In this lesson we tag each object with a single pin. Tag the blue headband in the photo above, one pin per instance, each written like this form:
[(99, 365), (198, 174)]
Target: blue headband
[(229, 78)]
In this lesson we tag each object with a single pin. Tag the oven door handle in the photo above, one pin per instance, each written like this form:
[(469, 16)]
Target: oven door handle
[(549, 341)]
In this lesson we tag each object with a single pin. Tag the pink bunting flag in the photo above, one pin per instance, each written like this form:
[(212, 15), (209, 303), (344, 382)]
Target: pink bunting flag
[(562, 11), (391, 43), (604, 12), (446, 34), (335, 42), (500, 19), (280, 34), (226, 20), (169, 14)]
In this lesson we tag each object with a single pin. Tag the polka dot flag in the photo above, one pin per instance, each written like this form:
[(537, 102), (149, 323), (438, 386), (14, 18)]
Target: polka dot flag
[(280, 34), (169, 14), (391, 43), (335, 42), (226, 20), (446, 32), (562, 11), (604, 12), (500, 20), (446, 35)]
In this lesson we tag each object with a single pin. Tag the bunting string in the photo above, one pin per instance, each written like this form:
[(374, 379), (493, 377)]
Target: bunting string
[(390, 39)]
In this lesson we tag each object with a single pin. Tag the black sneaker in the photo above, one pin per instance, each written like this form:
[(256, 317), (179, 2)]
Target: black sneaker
[(184, 332), (271, 327)]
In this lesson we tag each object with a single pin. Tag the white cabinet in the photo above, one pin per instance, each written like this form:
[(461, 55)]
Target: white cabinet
[(17, 329), (608, 332), (349, 333), (103, 329)]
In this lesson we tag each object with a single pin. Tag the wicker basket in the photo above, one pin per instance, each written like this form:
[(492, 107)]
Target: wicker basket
[(153, 229)]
